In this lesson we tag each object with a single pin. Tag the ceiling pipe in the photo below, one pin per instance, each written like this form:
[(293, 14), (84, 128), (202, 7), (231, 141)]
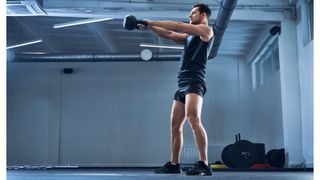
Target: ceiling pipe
[(90, 57), (221, 23)]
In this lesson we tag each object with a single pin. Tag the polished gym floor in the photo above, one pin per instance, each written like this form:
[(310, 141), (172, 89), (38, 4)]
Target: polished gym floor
[(147, 173)]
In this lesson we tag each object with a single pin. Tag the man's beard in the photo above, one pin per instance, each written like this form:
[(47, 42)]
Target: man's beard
[(197, 21)]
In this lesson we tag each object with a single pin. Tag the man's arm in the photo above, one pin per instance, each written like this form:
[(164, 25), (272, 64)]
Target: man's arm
[(164, 33), (202, 30)]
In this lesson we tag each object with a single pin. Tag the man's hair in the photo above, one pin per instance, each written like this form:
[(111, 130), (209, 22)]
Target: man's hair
[(203, 8)]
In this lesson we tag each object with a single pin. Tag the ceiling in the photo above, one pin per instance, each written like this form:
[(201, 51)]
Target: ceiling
[(249, 21)]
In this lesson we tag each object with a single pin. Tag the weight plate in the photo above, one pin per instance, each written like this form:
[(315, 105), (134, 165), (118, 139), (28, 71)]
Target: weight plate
[(225, 156), (243, 154)]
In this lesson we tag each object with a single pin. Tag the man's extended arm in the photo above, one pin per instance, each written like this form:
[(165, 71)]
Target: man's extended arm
[(164, 33), (202, 30)]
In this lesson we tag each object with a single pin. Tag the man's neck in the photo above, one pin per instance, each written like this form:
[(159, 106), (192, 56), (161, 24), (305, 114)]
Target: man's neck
[(205, 22)]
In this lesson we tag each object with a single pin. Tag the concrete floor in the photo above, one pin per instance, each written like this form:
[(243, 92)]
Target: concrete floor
[(141, 174)]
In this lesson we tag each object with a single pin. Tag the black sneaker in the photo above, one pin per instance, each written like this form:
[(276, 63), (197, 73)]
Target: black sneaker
[(200, 169), (168, 168)]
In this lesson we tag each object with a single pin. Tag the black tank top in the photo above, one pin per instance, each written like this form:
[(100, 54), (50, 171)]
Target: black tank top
[(193, 61)]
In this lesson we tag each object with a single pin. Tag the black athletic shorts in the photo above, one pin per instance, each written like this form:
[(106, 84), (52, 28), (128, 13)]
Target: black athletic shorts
[(181, 93)]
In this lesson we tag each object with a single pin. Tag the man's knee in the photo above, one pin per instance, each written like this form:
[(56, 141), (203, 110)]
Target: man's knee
[(176, 125), (194, 118)]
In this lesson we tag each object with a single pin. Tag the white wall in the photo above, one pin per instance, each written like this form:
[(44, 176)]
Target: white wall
[(296, 64), (305, 59), (290, 93), (262, 108), (117, 113), (266, 113), (103, 114)]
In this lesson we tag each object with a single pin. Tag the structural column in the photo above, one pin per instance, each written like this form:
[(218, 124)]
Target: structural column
[(290, 92)]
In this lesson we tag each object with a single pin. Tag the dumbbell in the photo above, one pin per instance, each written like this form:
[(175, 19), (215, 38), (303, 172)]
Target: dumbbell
[(130, 22)]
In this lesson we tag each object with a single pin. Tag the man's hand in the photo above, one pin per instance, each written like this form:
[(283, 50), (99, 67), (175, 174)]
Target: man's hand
[(143, 25)]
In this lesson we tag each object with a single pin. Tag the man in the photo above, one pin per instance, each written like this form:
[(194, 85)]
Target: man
[(197, 38)]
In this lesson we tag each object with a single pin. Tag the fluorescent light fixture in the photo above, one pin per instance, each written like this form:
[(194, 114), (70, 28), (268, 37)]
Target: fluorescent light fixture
[(24, 44), (160, 46), (33, 53), (75, 23)]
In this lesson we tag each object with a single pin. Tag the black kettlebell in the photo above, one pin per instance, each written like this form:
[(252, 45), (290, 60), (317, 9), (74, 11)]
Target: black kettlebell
[(130, 22)]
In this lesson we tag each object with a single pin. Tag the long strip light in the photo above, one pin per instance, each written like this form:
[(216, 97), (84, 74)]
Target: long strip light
[(75, 23), (24, 44), (33, 52), (160, 46)]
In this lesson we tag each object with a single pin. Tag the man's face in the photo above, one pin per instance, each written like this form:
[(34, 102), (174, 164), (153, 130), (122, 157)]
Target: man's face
[(195, 17)]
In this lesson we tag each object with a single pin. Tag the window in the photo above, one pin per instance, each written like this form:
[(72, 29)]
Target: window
[(266, 65), (310, 14)]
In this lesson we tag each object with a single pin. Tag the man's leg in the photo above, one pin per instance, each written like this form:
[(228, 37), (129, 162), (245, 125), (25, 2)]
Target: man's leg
[(193, 109), (177, 122), (193, 112)]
